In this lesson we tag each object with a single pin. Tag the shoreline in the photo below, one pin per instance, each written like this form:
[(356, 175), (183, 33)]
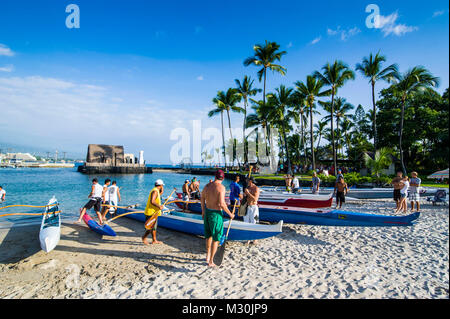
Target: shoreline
[(303, 262)]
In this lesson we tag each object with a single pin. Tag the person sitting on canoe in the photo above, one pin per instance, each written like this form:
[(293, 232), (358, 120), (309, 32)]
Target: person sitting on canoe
[(252, 192), (105, 197), (213, 202), (95, 200), (153, 207), (235, 191), (340, 189), (2, 194), (315, 183), (186, 194), (288, 181), (295, 185)]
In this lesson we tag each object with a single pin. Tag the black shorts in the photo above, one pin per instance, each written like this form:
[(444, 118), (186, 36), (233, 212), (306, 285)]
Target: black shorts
[(340, 197), (96, 203), (397, 194)]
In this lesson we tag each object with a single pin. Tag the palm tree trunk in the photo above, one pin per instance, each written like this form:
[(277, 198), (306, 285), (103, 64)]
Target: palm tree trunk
[(312, 137), (401, 136), (288, 158), (223, 142), (243, 132), (232, 139), (332, 132), (303, 139), (374, 118)]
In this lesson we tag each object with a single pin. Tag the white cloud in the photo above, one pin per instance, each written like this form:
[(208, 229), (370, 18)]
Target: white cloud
[(344, 34), (200, 78), (316, 40), (7, 68), (438, 13), (49, 110), (388, 25), (4, 50)]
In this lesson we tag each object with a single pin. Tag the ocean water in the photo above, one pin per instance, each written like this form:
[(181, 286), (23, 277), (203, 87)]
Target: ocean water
[(35, 186)]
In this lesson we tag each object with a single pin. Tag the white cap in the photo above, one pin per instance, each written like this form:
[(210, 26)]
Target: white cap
[(159, 182)]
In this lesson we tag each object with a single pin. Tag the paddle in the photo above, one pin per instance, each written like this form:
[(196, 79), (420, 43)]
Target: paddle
[(152, 220), (218, 258)]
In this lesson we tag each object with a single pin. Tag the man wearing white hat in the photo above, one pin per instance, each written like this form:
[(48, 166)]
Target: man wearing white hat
[(153, 207)]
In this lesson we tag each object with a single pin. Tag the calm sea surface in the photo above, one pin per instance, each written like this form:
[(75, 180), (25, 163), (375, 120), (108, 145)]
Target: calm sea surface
[(35, 186)]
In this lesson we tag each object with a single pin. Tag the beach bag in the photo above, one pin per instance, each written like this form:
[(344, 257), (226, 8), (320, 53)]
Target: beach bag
[(243, 207)]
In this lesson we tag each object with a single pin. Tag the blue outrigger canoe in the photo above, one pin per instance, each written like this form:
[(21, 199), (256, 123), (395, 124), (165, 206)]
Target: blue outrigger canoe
[(329, 217), (193, 224)]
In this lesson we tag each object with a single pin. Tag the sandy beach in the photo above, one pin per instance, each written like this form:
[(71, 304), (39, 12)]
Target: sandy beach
[(302, 262)]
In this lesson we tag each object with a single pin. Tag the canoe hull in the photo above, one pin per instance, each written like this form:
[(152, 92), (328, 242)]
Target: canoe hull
[(96, 227), (50, 232), (297, 202), (193, 224), (295, 215)]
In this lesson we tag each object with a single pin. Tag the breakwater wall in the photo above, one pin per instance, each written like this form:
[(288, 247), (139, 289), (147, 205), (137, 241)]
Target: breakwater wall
[(101, 168)]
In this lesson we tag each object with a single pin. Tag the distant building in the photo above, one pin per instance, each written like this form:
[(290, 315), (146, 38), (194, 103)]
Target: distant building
[(107, 154), (26, 157)]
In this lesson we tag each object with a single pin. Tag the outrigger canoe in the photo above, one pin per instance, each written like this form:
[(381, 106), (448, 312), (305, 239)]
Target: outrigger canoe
[(50, 232), (193, 224), (322, 217), (99, 229)]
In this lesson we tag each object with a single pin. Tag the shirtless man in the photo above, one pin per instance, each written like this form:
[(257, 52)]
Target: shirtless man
[(213, 202), (186, 194), (288, 181), (398, 185), (340, 189), (252, 192)]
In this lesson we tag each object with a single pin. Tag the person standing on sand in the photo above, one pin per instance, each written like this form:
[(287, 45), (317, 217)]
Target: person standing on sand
[(340, 189), (315, 183), (195, 188), (95, 200), (153, 207), (114, 197), (2, 194), (414, 195), (105, 197), (252, 192), (213, 202), (398, 185), (404, 195), (186, 194), (235, 191)]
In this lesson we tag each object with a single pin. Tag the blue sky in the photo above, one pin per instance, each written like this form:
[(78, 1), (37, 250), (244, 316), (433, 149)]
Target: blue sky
[(135, 70)]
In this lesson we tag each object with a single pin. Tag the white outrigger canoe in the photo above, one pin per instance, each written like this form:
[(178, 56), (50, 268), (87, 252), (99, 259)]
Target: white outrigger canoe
[(50, 227)]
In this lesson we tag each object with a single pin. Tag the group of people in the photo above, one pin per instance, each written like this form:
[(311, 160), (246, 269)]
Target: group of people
[(103, 199), (404, 188), (191, 190), (213, 205)]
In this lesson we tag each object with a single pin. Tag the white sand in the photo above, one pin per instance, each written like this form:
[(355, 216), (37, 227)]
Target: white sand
[(302, 262)]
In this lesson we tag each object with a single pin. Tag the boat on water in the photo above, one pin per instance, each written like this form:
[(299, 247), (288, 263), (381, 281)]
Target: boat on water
[(50, 232), (193, 224), (322, 217)]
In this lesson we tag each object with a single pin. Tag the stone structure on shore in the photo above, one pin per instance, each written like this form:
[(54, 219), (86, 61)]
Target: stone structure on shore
[(111, 159)]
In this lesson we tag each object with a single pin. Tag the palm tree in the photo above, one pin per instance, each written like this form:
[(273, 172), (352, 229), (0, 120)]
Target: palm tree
[(219, 109), (244, 90), (228, 102), (281, 101), (260, 118), (335, 76), (413, 81), (380, 161), (311, 90), (347, 125), (298, 114), (320, 130), (371, 68), (265, 56)]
